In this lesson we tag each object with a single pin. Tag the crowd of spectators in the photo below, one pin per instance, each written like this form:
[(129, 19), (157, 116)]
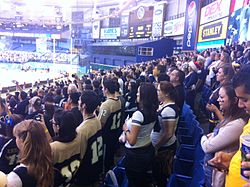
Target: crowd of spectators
[(23, 57), (72, 131)]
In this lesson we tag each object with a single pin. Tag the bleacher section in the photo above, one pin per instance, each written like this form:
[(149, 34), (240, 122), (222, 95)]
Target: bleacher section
[(188, 167), (26, 47), (19, 56), (14, 46)]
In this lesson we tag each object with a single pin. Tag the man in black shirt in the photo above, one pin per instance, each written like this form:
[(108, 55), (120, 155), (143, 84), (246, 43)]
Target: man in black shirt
[(22, 107), (177, 78), (73, 99)]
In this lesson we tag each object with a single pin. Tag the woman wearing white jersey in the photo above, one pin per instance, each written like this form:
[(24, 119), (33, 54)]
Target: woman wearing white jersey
[(163, 135), (139, 149)]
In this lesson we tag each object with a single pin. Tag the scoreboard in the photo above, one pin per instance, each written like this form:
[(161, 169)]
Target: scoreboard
[(140, 22), (140, 31)]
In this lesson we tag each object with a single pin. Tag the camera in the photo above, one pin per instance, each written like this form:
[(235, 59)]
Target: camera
[(38, 117)]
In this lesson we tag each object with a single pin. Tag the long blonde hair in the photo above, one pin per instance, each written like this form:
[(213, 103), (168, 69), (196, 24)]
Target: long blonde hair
[(36, 152)]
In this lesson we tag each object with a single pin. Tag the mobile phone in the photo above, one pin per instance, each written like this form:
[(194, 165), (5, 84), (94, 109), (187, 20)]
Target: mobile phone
[(220, 167)]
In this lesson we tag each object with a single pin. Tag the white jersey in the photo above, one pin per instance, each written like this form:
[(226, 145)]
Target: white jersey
[(166, 113), (143, 137)]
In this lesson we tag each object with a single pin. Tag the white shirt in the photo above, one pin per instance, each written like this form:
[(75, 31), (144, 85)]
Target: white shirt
[(167, 114), (143, 137), (13, 180)]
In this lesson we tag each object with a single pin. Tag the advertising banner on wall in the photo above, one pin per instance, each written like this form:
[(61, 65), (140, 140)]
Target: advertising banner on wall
[(239, 26), (238, 4), (174, 27), (215, 30), (190, 27), (216, 10), (158, 20), (124, 26), (211, 44), (96, 30), (110, 33)]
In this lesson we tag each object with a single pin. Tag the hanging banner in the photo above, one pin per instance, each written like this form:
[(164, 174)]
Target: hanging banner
[(238, 4), (190, 27), (216, 30), (110, 33), (96, 30), (174, 27), (158, 20), (214, 11), (124, 26), (239, 26)]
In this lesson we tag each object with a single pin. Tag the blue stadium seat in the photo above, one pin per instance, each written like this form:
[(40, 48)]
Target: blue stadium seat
[(206, 92), (185, 109), (191, 174), (182, 131), (192, 153), (179, 181), (186, 152), (181, 123), (183, 167), (198, 178), (186, 139), (199, 153), (117, 176)]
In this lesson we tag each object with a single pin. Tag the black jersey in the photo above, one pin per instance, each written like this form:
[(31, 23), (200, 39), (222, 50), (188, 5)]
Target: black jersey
[(65, 171), (8, 154), (66, 159), (111, 118), (91, 144), (167, 113), (26, 179)]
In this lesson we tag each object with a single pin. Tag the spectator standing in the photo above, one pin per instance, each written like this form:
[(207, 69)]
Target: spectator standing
[(8, 148), (139, 149), (130, 97), (65, 147), (73, 100), (36, 168), (163, 136), (177, 78), (91, 142), (242, 89), (110, 116), (231, 126), (22, 106), (190, 82)]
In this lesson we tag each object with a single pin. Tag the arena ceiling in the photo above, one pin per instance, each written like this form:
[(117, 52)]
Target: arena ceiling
[(47, 10), (69, 3)]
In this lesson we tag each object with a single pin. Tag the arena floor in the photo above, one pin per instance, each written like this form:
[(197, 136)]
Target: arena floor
[(32, 72)]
